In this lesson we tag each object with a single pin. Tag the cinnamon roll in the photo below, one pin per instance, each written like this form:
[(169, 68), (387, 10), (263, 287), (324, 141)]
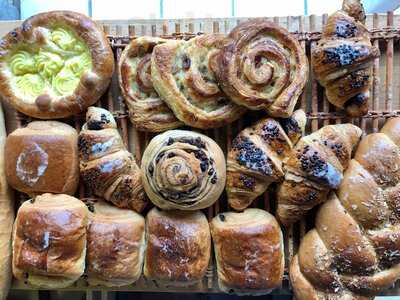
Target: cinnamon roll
[(182, 75), (183, 170), (146, 110), (262, 67)]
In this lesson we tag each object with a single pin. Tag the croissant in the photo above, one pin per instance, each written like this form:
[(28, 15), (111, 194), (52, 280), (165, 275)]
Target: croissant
[(314, 167), (354, 250), (262, 67), (342, 60), (183, 76), (146, 109), (255, 160), (183, 170), (106, 167)]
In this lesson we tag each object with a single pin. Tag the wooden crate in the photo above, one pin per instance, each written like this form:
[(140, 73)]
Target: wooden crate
[(385, 103)]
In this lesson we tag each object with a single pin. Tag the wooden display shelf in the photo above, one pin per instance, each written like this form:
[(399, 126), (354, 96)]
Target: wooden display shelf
[(385, 103)]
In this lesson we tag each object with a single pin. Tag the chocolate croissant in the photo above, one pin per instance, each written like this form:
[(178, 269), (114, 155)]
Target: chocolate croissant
[(263, 67), (354, 250), (183, 170), (183, 76), (342, 60), (255, 160), (106, 167), (313, 168), (147, 111)]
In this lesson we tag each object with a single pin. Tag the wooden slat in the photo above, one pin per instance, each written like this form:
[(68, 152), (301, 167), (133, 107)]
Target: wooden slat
[(376, 81)]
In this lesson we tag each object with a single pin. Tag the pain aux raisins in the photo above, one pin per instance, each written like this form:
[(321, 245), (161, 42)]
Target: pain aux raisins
[(342, 55), (251, 157), (346, 30), (247, 181), (270, 132)]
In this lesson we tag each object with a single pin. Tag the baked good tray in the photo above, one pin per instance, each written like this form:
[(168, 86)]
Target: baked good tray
[(385, 103)]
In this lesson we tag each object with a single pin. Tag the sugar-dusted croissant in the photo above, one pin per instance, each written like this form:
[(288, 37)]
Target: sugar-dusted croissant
[(106, 167), (255, 160), (313, 168), (343, 58), (263, 67), (354, 250)]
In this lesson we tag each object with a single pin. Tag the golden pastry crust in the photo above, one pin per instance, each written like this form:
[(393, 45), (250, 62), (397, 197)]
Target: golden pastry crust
[(43, 158), (115, 245), (106, 166), (49, 241), (55, 65), (183, 170), (147, 111), (178, 247), (342, 60), (249, 252), (182, 75), (263, 67)]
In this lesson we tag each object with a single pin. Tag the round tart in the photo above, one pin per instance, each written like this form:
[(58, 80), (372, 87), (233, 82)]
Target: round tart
[(55, 65)]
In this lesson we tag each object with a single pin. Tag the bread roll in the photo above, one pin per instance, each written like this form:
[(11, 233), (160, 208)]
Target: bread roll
[(49, 241), (249, 252), (178, 247), (354, 250), (115, 245), (55, 65), (43, 157), (6, 218), (183, 170)]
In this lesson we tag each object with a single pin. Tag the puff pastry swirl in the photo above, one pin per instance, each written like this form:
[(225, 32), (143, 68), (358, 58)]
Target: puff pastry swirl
[(182, 75), (147, 111), (263, 67), (183, 170)]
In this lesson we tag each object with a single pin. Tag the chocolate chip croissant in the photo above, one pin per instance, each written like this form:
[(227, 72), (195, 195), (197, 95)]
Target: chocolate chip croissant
[(255, 160), (106, 167), (147, 111), (183, 170), (313, 168), (354, 250), (183, 76), (263, 67), (342, 60)]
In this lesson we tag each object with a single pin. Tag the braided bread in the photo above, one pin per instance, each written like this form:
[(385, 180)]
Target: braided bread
[(106, 167), (313, 168), (343, 58), (255, 160), (354, 250)]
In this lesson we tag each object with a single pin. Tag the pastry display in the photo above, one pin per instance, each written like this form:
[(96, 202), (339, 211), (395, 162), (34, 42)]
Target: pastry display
[(115, 245), (49, 241), (256, 157), (147, 111), (262, 67), (55, 65), (6, 217), (354, 250), (249, 252), (106, 166), (343, 58), (178, 246), (313, 168), (43, 157), (182, 74), (183, 170)]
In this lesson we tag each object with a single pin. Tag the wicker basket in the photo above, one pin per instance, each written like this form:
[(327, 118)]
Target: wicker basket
[(385, 103)]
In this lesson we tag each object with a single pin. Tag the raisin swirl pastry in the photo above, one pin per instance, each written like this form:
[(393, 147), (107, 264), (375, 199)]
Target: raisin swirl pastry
[(263, 67), (182, 75), (106, 167), (255, 160), (147, 111), (55, 65), (343, 58), (354, 250), (313, 168), (183, 170)]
